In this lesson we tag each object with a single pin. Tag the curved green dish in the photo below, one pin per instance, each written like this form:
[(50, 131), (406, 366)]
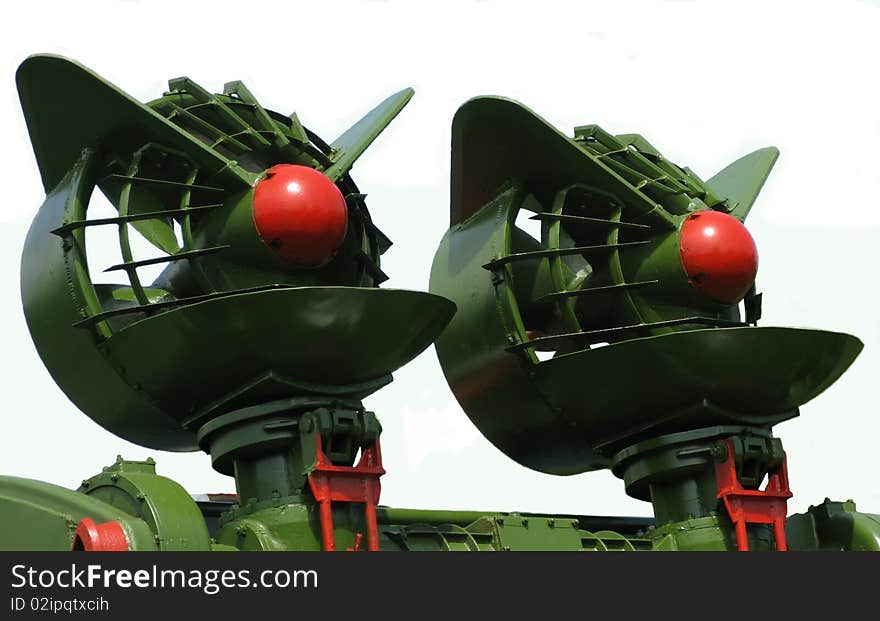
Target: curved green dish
[(325, 339), (150, 381), (588, 403)]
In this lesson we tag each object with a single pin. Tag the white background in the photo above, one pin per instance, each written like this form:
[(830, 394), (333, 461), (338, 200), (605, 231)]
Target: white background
[(705, 82)]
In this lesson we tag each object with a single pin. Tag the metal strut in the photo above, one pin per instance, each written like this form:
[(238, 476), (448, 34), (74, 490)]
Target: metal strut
[(753, 506), (360, 483)]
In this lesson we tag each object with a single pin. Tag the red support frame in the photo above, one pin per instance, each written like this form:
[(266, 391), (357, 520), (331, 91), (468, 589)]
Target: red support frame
[(753, 506), (360, 483)]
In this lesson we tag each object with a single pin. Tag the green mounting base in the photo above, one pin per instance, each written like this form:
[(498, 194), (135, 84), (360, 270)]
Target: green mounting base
[(677, 474)]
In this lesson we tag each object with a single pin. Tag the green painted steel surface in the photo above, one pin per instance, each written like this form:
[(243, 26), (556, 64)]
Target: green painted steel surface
[(580, 348), (314, 336), (168, 510), (601, 296), (350, 145), (56, 293), (495, 140), (42, 516), (130, 382), (296, 527), (506, 533), (155, 513), (527, 407), (67, 107), (293, 526), (743, 179), (228, 323), (834, 526)]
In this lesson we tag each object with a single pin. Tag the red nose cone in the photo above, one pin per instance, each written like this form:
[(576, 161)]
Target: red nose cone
[(300, 213), (719, 256)]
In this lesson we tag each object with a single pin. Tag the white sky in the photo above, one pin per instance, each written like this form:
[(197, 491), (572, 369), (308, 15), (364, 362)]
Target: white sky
[(705, 82)]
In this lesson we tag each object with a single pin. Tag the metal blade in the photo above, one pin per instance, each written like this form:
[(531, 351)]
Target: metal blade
[(349, 146), (741, 181)]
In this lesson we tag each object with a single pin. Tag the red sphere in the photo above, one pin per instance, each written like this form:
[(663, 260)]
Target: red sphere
[(300, 213), (719, 256)]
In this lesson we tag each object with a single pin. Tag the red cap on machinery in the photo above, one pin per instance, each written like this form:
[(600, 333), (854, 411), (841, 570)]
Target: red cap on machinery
[(300, 213), (719, 256), (103, 537)]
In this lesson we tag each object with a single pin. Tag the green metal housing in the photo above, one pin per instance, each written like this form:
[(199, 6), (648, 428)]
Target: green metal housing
[(601, 297), (580, 348), (151, 363), (52, 512)]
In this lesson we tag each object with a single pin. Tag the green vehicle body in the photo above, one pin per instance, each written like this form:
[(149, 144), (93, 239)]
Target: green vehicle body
[(585, 349)]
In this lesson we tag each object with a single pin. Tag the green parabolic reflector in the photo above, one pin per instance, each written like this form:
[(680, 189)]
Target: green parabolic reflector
[(672, 382), (326, 336)]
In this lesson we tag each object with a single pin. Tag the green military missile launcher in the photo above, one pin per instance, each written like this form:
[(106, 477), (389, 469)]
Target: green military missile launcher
[(621, 334)]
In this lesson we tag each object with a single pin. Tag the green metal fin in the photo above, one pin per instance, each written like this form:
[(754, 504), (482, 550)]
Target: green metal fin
[(297, 129), (349, 146), (495, 140), (68, 107), (741, 181)]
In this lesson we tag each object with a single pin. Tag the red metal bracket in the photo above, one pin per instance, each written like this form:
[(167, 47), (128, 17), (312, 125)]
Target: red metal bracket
[(753, 506), (359, 483)]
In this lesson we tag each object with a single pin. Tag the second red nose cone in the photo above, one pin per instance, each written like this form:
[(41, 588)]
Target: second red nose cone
[(719, 256), (300, 213)]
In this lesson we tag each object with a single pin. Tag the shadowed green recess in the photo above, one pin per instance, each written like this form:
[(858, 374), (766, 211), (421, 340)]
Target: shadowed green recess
[(329, 336)]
